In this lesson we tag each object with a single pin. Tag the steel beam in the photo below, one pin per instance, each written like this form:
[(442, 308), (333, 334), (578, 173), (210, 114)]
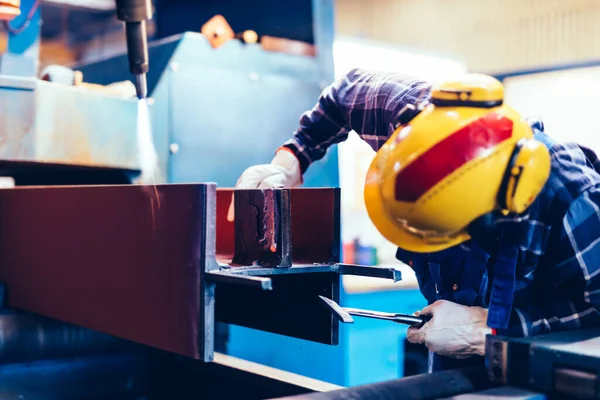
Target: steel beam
[(128, 261)]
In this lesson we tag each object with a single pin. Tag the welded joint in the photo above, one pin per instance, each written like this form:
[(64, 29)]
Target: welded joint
[(263, 228)]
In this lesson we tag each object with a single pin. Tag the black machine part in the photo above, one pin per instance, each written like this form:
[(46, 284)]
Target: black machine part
[(419, 387), (562, 364), (135, 13), (344, 314)]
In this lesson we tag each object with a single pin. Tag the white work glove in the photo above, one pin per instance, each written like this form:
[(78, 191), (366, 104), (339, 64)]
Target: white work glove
[(284, 171), (453, 330)]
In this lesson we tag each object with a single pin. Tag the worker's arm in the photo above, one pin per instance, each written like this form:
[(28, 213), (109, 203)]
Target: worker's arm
[(366, 102), (575, 299), (362, 101)]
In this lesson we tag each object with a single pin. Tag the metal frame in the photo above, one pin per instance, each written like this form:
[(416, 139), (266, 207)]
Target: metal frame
[(22, 56), (561, 67), (125, 260)]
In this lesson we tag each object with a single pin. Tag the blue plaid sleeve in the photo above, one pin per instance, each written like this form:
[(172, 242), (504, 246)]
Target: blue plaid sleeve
[(362, 101), (570, 298)]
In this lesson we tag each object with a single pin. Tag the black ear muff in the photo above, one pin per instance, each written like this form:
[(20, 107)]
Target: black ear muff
[(407, 114), (510, 174), (485, 231)]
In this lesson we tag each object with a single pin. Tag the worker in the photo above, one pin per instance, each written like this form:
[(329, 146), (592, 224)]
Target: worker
[(500, 222)]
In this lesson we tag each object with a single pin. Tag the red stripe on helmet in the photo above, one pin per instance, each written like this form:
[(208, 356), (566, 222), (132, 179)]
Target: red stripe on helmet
[(450, 154)]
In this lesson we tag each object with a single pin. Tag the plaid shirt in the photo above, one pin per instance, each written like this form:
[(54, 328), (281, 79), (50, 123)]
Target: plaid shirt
[(556, 259)]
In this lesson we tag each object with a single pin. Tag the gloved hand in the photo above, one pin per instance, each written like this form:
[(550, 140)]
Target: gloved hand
[(453, 330), (284, 171)]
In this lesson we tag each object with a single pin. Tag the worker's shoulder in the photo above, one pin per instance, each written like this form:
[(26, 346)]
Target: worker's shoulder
[(566, 152), (573, 169), (380, 77)]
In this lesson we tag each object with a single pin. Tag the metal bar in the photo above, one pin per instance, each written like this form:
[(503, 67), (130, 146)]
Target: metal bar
[(27, 337), (340, 313), (420, 387), (126, 260), (370, 271), (296, 269), (97, 377), (255, 282), (398, 318), (342, 269)]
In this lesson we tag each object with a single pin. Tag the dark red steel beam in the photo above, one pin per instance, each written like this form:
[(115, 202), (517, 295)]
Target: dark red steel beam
[(124, 260), (315, 225)]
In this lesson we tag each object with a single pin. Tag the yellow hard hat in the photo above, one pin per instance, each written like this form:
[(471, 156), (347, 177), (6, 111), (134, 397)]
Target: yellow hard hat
[(459, 156)]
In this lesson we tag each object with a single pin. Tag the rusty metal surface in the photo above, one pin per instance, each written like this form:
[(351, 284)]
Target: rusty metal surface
[(123, 260), (312, 211), (262, 228)]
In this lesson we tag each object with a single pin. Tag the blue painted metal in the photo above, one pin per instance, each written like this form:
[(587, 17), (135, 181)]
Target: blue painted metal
[(315, 360), (559, 67), (374, 350), (22, 56), (310, 359), (54, 123), (225, 109), (370, 351)]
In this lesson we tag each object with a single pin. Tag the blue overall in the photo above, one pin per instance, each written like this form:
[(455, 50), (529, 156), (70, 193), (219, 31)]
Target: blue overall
[(468, 275), (460, 275)]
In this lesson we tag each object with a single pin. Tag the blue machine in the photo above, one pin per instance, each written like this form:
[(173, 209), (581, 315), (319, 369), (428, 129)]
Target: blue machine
[(216, 112)]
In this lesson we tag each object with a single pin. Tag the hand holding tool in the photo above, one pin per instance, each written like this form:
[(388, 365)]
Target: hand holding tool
[(454, 331), (344, 314)]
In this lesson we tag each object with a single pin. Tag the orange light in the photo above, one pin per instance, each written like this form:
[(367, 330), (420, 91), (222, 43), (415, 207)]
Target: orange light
[(9, 9)]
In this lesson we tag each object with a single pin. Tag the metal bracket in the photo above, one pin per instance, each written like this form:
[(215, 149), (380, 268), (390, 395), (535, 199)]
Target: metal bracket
[(263, 228), (3, 297), (234, 279), (257, 277)]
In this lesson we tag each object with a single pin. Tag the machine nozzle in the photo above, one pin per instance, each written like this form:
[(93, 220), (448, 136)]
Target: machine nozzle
[(141, 87), (135, 13)]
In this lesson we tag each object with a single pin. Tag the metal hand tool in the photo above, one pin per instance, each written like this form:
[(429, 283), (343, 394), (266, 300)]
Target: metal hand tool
[(344, 314)]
